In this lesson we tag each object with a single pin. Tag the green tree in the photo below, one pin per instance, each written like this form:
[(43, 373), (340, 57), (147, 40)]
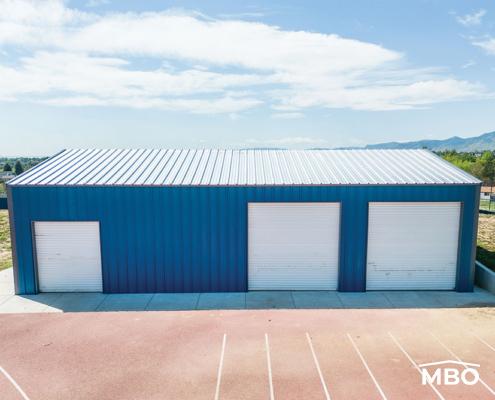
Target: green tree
[(465, 161), (481, 165), (487, 161), (476, 169), (7, 167), (18, 168)]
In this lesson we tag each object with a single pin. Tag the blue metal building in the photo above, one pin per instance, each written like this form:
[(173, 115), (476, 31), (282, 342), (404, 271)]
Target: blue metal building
[(122, 221)]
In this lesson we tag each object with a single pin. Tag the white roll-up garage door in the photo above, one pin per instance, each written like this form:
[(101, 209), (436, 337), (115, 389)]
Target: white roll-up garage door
[(293, 246), (68, 256), (412, 246)]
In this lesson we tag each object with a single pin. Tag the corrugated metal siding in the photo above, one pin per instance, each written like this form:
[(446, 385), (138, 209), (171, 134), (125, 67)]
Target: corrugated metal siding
[(175, 239), (243, 168), (293, 246), (413, 246)]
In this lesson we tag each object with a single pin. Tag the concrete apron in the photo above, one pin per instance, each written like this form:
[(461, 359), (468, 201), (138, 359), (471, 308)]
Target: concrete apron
[(90, 302)]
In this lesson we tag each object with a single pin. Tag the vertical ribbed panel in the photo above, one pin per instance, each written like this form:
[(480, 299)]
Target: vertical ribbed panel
[(293, 246), (173, 239), (68, 256), (413, 246)]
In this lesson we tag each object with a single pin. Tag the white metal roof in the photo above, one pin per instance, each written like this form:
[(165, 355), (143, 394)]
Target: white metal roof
[(126, 167)]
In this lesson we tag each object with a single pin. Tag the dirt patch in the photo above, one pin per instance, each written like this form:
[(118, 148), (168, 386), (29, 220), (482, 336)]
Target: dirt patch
[(486, 240), (486, 231)]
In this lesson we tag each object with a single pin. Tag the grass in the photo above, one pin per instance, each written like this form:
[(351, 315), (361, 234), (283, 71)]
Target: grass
[(485, 205), (486, 241), (5, 249)]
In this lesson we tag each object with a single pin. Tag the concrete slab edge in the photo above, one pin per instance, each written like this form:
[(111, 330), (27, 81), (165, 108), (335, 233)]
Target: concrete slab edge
[(484, 277)]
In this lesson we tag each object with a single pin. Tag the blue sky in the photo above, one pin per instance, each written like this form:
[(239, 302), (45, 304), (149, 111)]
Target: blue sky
[(295, 74)]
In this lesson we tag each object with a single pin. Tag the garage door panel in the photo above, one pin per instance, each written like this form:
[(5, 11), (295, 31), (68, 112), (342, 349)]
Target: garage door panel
[(293, 246), (412, 245), (68, 256)]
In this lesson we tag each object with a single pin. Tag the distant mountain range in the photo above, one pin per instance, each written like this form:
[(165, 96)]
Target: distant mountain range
[(477, 143)]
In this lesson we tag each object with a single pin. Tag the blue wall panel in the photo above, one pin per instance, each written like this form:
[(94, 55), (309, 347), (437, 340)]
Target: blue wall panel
[(191, 239)]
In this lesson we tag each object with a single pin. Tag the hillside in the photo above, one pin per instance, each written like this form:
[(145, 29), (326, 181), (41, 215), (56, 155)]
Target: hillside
[(485, 141)]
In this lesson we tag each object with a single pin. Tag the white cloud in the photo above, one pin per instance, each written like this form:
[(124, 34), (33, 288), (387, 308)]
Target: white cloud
[(253, 14), (214, 106), (469, 64), (288, 115), (378, 97), (487, 44), (471, 19), (222, 43), (207, 65), (106, 81)]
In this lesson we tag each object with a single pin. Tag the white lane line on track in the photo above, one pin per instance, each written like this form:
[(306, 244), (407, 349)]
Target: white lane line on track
[(458, 359), (414, 364), (318, 367), (220, 367), (484, 342), (269, 363), (367, 367), (14, 383)]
